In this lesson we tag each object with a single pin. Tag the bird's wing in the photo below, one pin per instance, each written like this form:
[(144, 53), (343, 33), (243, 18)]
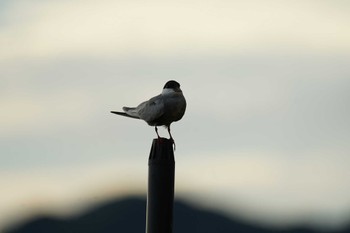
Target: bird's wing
[(152, 109), (131, 112)]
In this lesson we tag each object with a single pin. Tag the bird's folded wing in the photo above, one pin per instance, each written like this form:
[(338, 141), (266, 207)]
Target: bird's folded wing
[(151, 110), (131, 112)]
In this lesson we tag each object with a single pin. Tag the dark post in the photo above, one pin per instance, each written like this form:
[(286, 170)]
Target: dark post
[(160, 197)]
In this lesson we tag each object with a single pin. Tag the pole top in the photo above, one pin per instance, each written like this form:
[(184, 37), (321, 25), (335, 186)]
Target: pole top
[(162, 150)]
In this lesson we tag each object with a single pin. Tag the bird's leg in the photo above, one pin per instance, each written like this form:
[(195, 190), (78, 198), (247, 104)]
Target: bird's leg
[(157, 132), (171, 137)]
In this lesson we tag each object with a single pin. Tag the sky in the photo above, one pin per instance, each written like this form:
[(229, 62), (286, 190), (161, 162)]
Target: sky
[(266, 134)]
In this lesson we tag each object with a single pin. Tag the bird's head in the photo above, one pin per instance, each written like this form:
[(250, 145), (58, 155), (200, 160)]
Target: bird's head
[(171, 86)]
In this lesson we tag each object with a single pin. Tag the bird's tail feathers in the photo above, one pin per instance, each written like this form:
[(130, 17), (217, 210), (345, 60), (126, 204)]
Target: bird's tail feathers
[(127, 113)]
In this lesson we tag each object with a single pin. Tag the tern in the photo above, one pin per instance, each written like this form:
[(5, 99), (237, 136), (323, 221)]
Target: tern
[(161, 110)]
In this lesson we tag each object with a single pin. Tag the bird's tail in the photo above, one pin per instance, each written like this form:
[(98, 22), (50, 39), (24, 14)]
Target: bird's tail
[(128, 113)]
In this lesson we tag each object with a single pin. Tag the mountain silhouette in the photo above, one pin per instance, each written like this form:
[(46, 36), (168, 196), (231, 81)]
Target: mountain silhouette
[(128, 216)]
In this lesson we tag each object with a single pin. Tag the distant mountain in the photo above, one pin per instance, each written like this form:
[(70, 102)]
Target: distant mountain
[(128, 216)]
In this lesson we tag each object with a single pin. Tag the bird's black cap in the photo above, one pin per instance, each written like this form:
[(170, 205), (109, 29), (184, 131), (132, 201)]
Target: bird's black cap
[(172, 84)]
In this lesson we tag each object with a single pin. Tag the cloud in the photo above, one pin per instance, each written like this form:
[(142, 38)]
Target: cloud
[(25, 113), (271, 187), (44, 29)]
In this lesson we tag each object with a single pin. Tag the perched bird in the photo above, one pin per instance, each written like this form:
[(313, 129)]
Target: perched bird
[(160, 110)]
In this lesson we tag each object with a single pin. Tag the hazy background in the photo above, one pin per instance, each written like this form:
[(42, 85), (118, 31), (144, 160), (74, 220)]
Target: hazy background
[(266, 135)]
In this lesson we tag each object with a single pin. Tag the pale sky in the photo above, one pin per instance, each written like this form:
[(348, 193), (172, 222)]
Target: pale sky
[(266, 135)]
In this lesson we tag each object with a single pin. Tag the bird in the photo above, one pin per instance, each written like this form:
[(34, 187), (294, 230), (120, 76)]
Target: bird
[(161, 110)]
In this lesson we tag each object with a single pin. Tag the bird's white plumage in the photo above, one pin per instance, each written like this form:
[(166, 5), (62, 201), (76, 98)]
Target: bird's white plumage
[(167, 91)]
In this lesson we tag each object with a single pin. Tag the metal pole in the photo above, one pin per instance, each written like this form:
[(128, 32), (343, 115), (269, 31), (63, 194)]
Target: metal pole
[(160, 197)]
